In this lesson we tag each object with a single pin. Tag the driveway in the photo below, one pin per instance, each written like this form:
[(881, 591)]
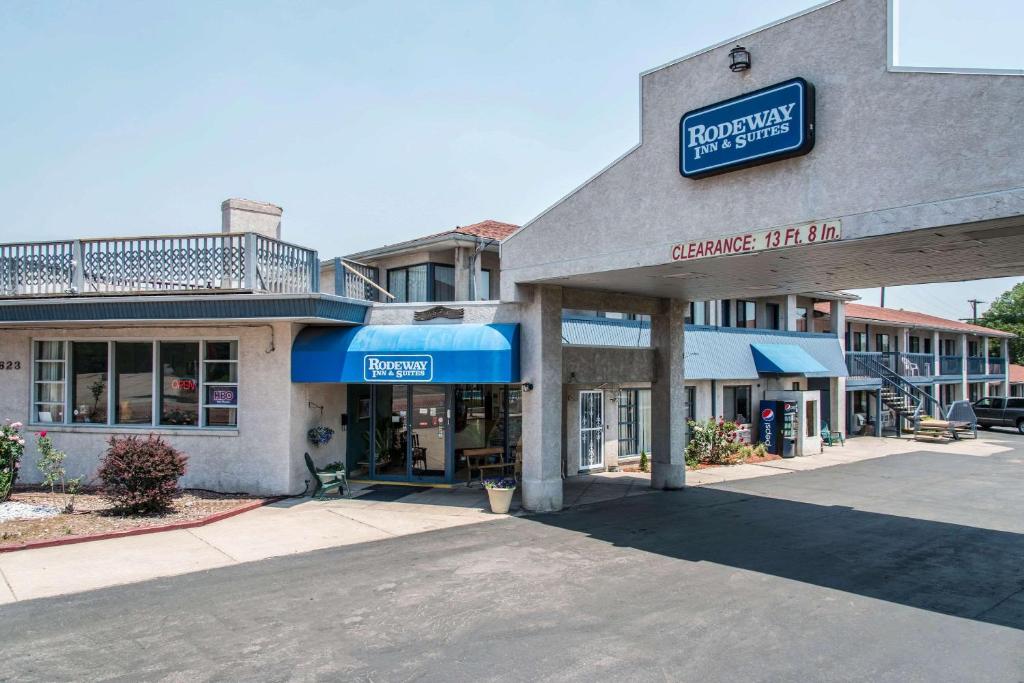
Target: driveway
[(907, 567)]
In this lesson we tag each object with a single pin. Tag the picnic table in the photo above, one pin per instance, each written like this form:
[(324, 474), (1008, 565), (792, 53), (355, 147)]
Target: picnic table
[(480, 459)]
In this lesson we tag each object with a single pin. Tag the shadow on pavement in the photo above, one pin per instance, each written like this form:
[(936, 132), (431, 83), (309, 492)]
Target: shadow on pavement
[(958, 570)]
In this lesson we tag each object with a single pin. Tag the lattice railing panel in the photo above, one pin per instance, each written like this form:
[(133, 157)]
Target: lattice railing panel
[(283, 268), (38, 268), (149, 264)]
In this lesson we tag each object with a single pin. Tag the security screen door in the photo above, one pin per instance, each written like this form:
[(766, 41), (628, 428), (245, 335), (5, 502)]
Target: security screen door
[(591, 429)]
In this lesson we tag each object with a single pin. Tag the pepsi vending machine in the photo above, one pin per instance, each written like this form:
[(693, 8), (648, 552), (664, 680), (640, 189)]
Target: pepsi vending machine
[(776, 431)]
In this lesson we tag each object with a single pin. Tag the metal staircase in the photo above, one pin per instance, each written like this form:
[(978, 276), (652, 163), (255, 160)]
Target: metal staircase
[(912, 405)]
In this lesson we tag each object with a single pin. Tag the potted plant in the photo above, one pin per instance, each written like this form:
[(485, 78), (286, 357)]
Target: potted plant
[(320, 435), (499, 492)]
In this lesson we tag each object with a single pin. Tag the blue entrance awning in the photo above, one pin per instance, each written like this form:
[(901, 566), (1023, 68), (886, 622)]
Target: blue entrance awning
[(443, 354), (784, 359)]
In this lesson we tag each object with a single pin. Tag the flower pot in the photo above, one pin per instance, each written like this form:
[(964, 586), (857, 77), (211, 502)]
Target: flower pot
[(501, 500)]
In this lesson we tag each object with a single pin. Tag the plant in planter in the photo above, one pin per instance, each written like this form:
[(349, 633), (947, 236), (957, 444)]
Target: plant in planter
[(499, 493), (12, 447), (320, 435)]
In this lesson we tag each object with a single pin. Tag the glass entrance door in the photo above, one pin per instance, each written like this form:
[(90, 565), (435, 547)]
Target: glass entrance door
[(411, 440), (428, 428)]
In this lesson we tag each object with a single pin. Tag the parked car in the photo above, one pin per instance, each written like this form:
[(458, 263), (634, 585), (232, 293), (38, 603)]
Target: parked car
[(996, 411)]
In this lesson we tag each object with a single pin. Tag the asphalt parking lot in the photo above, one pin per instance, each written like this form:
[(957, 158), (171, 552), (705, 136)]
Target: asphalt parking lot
[(908, 567)]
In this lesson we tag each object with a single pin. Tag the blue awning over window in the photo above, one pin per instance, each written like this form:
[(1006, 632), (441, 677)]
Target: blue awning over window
[(784, 359), (445, 354)]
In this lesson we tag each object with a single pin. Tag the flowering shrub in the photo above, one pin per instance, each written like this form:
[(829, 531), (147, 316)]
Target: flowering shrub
[(12, 447), (320, 435), (712, 442), (51, 465), (141, 475), (503, 483)]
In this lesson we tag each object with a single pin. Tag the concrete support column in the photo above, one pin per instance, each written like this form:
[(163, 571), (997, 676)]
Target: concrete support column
[(668, 397), (541, 366), (936, 353), (937, 393), (984, 354), (904, 341), (964, 390), (1004, 351), (463, 273), (837, 318), (789, 313)]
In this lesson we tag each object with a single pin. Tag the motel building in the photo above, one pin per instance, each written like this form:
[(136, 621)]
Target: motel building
[(699, 274)]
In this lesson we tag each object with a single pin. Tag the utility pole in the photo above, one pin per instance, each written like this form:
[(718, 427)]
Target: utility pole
[(974, 309), (882, 298)]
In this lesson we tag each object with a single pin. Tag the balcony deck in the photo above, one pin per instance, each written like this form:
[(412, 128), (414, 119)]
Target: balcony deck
[(922, 368)]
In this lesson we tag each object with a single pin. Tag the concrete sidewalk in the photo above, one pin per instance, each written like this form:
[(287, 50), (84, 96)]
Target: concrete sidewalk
[(301, 525)]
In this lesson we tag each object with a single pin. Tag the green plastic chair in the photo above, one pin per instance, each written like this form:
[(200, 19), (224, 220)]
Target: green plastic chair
[(325, 482), (829, 437)]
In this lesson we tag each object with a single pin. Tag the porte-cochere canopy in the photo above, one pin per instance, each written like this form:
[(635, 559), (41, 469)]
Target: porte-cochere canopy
[(442, 354)]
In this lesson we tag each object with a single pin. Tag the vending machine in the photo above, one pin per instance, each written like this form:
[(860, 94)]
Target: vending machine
[(779, 427)]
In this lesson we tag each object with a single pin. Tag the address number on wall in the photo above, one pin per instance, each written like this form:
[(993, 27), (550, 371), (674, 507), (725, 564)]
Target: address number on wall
[(10, 365)]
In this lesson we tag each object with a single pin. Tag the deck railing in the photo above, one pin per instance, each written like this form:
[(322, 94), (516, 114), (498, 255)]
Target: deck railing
[(173, 263), (862, 364)]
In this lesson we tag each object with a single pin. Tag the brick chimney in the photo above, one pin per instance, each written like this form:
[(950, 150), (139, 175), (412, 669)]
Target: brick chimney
[(244, 215)]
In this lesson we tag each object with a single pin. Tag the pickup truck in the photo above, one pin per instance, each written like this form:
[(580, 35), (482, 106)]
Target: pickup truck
[(996, 411)]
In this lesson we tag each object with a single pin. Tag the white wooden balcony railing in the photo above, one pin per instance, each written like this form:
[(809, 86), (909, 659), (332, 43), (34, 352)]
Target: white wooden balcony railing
[(174, 263)]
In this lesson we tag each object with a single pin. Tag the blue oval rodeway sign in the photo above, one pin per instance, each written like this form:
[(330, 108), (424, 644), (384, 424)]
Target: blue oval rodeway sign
[(766, 125)]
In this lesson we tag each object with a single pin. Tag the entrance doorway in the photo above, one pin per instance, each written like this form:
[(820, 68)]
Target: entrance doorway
[(591, 430), (432, 433)]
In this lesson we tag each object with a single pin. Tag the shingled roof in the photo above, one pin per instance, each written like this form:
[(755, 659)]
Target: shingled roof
[(911, 318)]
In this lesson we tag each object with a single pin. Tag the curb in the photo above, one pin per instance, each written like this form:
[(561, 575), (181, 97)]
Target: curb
[(85, 538)]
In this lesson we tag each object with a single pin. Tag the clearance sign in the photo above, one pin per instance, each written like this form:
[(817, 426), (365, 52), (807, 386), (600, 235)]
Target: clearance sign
[(749, 242)]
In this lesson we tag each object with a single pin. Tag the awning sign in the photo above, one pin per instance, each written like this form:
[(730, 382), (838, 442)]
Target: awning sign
[(398, 368), (762, 240), (766, 125)]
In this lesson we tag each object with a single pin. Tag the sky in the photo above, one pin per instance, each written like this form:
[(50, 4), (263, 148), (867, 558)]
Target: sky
[(369, 122)]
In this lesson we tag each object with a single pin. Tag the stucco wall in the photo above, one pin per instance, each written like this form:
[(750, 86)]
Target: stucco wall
[(876, 131), (253, 458), (597, 364)]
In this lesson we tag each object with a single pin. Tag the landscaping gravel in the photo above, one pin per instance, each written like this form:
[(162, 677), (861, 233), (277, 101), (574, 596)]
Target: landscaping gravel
[(15, 510)]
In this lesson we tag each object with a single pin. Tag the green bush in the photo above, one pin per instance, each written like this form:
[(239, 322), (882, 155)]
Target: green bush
[(645, 462), (141, 475)]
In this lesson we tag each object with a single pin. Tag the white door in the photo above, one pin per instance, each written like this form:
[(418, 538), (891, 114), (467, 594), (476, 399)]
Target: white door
[(591, 429)]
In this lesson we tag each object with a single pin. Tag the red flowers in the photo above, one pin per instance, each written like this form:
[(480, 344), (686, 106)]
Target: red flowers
[(42, 434)]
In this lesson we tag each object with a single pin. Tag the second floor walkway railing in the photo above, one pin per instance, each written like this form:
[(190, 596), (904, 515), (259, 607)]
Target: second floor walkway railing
[(174, 263), (862, 364)]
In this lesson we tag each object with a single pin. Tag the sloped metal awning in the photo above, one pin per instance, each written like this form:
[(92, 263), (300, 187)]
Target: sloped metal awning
[(442, 354), (725, 353), (784, 359)]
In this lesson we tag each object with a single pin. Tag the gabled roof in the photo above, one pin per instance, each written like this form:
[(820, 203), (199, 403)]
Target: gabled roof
[(488, 230), (911, 318)]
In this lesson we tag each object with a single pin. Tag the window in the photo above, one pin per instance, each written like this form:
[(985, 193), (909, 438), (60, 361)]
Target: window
[(948, 393), (425, 282), (771, 316), (736, 404), (634, 422), (746, 314), (726, 313), (927, 344), (882, 343), (801, 319), (973, 349), (136, 383), (179, 383), (133, 383), (859, 341), (89, 382), (914, 345), (974, 391), (697, 313), (444, 283), (949, 347), (48, 382), (485, 286), (220, 384), (1015, 403)]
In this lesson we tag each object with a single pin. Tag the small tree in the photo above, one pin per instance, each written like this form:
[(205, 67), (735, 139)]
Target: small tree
[(51, 465), (141, 475), (12, 447), (645, 462)]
